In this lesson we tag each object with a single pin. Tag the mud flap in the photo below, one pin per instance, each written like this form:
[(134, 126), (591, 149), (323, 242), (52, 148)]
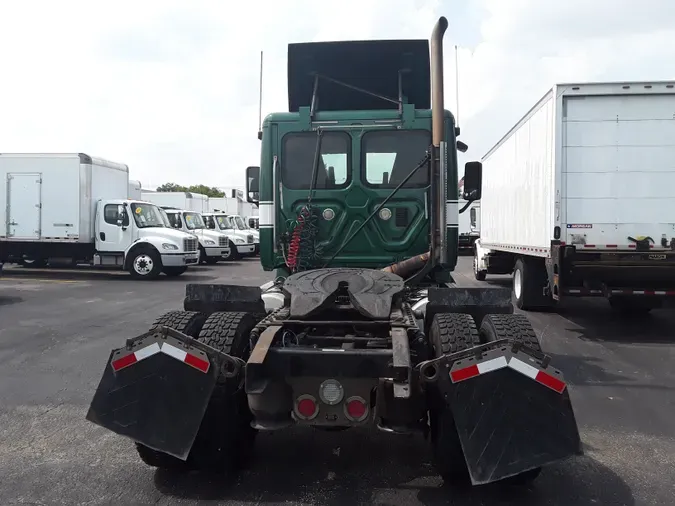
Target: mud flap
[(512, 414), (156, 390)]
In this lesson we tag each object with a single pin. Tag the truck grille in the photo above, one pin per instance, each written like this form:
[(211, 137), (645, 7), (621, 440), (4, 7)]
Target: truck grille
[(190, 244), (222, 241), (250, 239)]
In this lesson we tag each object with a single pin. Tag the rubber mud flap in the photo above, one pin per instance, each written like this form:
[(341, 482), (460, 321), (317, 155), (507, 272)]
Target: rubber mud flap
[(158, 401), (509, 423)]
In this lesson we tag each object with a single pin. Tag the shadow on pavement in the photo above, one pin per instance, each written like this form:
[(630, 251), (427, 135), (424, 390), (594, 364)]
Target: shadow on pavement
[(76, 273), (358, 468)]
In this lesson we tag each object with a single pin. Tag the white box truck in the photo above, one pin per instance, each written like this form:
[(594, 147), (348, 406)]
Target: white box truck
[(188, 201), (578, 197), (74, 207), (213, 245), (243, 242)]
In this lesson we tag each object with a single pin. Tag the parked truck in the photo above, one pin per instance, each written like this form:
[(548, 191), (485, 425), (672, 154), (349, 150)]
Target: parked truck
[(361, 326), (74, 208), (578, 198), (243, 243), (214, 245)]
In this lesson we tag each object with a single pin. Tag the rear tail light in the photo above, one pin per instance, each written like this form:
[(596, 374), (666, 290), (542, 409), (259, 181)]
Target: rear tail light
[(356, 409), (306, 407)]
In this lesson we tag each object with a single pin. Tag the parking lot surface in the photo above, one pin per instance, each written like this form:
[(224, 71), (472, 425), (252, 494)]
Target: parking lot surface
[(57, 329)]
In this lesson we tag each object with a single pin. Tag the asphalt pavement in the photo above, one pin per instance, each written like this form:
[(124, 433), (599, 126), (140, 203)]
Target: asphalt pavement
[(57, 329)]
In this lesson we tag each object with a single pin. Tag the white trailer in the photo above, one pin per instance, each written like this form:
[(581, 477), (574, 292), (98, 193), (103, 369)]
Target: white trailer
[(74, 208), (578, 197), (188, 201)]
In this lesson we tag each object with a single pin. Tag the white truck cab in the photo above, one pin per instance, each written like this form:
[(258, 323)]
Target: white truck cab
[(242, 226), (244, 241), (134, 235), (213, 245)]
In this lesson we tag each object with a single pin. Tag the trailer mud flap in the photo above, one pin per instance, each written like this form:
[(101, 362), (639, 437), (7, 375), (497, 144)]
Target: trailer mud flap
[(512, 414), (156, 390)]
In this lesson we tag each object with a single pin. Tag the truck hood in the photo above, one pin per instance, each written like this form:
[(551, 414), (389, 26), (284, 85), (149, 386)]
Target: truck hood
[(165, 233)]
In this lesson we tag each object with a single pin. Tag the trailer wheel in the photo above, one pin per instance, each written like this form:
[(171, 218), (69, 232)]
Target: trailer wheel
[(449, 333), (189, 323), (529, 280), (225, 437), (145, 263)]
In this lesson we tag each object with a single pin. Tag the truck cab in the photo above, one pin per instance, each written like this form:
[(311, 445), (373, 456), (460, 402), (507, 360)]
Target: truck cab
[(242, 242), (242, 225), (346, 176), (133, 234), (213, 245)]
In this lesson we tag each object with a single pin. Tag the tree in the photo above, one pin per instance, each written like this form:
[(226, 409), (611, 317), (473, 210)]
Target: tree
[(209, 191)]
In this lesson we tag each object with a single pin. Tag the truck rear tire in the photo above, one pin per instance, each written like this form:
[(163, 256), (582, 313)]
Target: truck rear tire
[(225, 438), (189, 323), (529, 280), (449, 333)]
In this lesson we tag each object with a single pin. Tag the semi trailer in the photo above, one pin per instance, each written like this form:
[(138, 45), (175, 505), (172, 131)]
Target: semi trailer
[(74, 208), (578, 198), (362, 325)]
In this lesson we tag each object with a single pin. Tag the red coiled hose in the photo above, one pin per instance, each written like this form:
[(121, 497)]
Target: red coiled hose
[(294, 245)]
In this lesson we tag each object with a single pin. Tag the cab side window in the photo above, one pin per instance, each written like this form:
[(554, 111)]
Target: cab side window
[(111, 214), (174, 219)]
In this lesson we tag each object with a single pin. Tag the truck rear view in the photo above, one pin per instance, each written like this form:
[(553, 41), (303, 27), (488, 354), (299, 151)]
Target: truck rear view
[(578, 198)]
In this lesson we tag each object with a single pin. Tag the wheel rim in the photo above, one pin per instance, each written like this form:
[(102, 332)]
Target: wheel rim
[(143, 264), (517, 283)]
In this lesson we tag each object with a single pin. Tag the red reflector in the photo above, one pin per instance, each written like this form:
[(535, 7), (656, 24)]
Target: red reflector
[(306, 408), (123, 362), (196, 362), (356, 409), (550, 381), (464, 374)]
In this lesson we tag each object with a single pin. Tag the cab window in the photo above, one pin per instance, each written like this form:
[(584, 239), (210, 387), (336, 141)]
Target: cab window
[(389, 156), (297, 160), (174, 219), (209, 221)]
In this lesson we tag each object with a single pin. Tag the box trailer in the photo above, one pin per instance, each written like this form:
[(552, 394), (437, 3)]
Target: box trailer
[(188, 201), (579, 197), (74, 208)]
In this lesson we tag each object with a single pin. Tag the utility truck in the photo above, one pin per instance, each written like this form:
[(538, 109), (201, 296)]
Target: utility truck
[(213, 245), (362, 326), (578, 198), (74, 208), (242, 241)]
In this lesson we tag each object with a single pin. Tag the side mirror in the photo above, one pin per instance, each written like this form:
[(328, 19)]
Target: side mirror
[(122, 216), (253, 185), (473, 181), (462, 147)]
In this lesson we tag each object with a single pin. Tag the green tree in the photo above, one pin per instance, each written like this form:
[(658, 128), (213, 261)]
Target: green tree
[(209, 191)]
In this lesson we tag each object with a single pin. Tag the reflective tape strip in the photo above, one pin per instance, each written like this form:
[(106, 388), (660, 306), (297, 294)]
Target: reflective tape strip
[(452, 213), (166, 348), (266, 214), (516, 364)]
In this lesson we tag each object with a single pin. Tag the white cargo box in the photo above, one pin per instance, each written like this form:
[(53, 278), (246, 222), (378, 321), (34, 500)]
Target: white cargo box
[(52, 197), (188, 201), (590, 164)]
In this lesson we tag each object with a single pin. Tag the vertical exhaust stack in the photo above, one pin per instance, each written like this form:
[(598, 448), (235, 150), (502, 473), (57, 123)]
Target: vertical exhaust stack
[(439, 156)]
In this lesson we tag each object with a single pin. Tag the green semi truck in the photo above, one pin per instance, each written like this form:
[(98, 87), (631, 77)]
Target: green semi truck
[(363, 324)]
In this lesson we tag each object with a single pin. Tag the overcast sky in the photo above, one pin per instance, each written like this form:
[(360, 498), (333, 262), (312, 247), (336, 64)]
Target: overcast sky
[(171, 87)]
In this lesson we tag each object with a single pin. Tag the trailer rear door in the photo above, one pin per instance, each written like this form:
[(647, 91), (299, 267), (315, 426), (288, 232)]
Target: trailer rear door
[(23, 205), (619, 169)]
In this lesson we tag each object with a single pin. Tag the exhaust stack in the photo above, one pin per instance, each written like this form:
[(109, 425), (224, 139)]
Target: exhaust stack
[(439, 189)]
